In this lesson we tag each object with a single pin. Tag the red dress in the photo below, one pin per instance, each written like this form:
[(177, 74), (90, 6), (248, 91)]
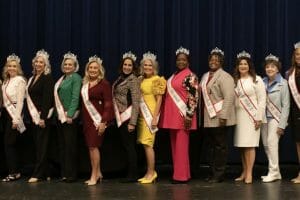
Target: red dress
[(101, 97)]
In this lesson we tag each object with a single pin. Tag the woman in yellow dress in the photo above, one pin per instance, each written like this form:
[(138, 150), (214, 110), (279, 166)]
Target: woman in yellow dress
[(152, 89)]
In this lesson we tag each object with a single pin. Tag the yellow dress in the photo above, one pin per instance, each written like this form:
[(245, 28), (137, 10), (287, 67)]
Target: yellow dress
[(150, 87)]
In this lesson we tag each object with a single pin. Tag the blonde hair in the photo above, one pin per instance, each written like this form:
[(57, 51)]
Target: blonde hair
[(5, 74), (154, 65), (47, 69), (86, 77)]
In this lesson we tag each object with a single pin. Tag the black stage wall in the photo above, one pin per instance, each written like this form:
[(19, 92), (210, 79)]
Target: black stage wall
[(110, 27)]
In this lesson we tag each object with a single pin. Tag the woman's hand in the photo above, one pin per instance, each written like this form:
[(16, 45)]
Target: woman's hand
[(257, 124), (187, 123), (130, 128), (69, 120), (280, 131), (154, 122), (14, 126), (101, 128), (42, 123)]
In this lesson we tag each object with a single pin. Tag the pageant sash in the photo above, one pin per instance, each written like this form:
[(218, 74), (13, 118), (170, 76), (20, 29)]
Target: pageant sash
[(176, 98), (275, 112), (59, 107), (124, 116), (212, 109), (11, 109), (294, 89), (34, 113), (245, 100), (147, 115), (94, 114)]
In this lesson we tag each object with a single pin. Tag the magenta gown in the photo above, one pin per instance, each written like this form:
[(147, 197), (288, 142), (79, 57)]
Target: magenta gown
[(101, 97)]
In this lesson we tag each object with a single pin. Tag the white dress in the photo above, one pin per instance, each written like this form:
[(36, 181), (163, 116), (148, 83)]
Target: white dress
[(245, 133)]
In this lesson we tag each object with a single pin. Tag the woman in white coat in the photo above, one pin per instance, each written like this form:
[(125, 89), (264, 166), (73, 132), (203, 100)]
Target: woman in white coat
[(250, 112)]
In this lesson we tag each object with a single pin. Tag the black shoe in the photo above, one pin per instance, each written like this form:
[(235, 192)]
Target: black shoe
[(179, 182), (215, 180)]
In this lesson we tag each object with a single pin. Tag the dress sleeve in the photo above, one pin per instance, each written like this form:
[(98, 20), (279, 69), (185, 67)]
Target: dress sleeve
[(191, 85), (159, 86)]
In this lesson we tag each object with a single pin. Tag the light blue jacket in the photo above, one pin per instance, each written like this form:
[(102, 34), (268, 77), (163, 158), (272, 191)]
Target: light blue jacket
[(278, 93)]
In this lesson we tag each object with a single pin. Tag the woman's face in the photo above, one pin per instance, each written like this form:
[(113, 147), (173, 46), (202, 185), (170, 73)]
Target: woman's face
[(148, 68), (12, 68), (297, 56), (69, 66), (271, 70), (127, 66), (39, 65), (181, 61), (243, 67), (93, 70), (214, 63)]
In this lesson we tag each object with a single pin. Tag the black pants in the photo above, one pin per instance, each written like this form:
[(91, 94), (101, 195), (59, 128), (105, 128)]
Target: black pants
[(41, 138), (10, 144), (129, 144), (218, 150), (67, 137)]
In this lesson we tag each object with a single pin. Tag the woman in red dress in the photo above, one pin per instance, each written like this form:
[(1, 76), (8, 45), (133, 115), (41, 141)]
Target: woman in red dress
[(96, 112)]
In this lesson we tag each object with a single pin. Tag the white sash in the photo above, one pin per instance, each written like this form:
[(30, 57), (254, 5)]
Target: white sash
[(124, 116), (34, 113), (212, 109), (246, 102), (294, 89), (94, 114), (275, 112), (59, 107), (176, 98), (147, 115), (11, 109)]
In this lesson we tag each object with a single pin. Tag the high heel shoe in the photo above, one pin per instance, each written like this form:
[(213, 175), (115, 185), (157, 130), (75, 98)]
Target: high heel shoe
[(92, 182), (151, 180), (141, 179), (241, 178), (248, 180), (33, 180)]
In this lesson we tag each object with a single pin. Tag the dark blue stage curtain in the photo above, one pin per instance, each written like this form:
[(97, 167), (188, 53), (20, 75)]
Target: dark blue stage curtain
[(110, 27)]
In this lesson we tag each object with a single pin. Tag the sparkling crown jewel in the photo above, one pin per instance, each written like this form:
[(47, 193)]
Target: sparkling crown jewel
[(297, 45), (217, 50), (149, 55), (13, 57), (182, 50), (95, 58), (272, 57), (243, 54), (42, 53), (129, 54), (70, 55)]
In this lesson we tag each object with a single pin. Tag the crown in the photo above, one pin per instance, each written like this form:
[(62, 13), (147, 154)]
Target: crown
[(129, 54), (42, 53), (70, 55), (12, 57), (218, 51), (272, 57), (243, 54), (95, 58), (149, 55), (297, 45), (182, 50)]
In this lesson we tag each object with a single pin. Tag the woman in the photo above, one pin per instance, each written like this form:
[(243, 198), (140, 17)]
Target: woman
[(96, 112), (66, 96), (40, 107), (13, 89), (178, 114), (126, 100), (277, 112), (250, 107), (152, 89), (294, 85)]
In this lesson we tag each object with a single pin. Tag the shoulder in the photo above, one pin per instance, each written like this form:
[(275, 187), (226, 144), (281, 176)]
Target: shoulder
[(20, 80), (76, 76)]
